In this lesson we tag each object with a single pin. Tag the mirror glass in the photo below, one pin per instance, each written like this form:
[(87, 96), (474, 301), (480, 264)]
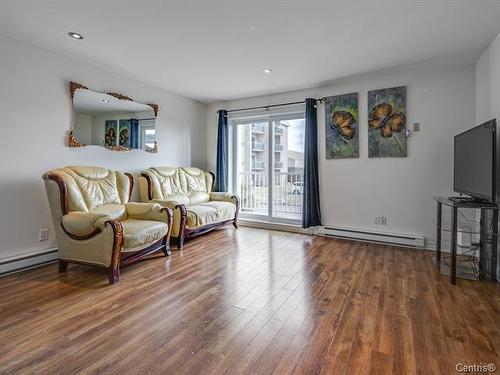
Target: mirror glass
[(113, 122)]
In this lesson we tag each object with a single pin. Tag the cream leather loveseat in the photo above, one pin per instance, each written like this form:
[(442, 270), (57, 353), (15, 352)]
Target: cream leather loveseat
[(188, 192), (96, 225)]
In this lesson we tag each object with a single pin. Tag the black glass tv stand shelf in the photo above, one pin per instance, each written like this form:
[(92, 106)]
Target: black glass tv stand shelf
[(470, 200), (488, 234)]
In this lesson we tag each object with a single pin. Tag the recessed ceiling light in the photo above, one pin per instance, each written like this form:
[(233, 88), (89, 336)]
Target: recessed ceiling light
[(266, 71), (251, 28), (105, 100), (75, 35)]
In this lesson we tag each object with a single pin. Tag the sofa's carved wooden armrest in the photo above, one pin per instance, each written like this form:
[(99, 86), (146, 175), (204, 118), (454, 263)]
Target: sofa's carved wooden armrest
[(237, 203), (114, 269), (182, 208), (182, 227), (147, 177), (81, 225), (63, 190), (227, 197), (170, 219), (94, 233)]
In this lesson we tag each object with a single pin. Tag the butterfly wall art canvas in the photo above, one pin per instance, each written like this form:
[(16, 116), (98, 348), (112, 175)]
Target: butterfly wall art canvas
[(387, 122), (110, 131), (341, 120), (124, 133)]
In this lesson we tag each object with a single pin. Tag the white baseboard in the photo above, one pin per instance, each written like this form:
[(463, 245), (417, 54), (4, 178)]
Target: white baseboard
[(27, 261), (276, 226), (322, 232), (431, 245), (356, 234)]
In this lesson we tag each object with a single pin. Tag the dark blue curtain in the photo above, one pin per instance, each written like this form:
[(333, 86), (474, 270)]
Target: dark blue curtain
[(311, 213), (134, 133), (221, 176)]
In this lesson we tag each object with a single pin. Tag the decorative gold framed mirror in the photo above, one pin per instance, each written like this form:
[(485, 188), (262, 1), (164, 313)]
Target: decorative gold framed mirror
[(112, 120)]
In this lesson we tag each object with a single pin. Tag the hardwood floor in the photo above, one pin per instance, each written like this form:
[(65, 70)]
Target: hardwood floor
[(251, 301)]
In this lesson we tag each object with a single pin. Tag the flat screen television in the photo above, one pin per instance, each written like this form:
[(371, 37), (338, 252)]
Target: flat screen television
[(474, 170)]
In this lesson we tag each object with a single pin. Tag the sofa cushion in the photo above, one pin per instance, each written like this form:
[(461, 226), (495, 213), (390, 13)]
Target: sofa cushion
[(82, 223), (165, 182), (138, 234), (177, 198), (209, 213), (114, 211), (199, 198), (193, 180), (168, 183), (89, 187)]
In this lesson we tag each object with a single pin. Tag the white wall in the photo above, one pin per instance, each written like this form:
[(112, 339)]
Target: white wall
[(83, 128), (35, 102), (488, 83), (488, 97), (353, 191)]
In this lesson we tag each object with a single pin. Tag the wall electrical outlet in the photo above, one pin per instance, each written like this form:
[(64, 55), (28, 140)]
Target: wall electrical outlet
[(416, 126), (383, 220), (376, 220), (44, 234)]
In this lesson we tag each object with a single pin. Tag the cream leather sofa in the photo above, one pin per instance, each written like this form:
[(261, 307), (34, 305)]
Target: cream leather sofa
[(188, 192), (95, 223)]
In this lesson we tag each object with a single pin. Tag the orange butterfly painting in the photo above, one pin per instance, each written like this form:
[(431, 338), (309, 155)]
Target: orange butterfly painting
[(387, 122), (341, 119)]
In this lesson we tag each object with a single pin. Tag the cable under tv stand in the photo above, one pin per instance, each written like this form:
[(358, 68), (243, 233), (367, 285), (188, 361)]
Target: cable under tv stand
[(488, 233)]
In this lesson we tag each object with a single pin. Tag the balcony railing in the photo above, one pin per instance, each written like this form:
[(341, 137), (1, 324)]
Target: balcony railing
[(258, 164), (278, 129), (257, 146), (287, 189), (296, 170), (278, 147), (258, 128)]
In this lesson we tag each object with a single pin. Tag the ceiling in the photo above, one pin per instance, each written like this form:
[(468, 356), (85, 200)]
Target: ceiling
[(216, 50)]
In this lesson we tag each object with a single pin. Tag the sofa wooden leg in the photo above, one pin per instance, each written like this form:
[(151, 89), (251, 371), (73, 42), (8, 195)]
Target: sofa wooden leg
[(235, 224), (114, 275), (63, 266), (180, 242), (166, 247), (166, 251)]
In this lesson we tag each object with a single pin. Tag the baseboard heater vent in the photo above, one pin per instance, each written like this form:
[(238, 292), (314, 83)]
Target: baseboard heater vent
[(370, 236), (27, 261)]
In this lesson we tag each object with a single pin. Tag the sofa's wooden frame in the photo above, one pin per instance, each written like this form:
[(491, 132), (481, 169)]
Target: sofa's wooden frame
[(118, 259), (185, 232)]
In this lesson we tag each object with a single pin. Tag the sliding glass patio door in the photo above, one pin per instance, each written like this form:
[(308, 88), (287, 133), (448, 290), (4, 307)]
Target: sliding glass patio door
[(268, 166)]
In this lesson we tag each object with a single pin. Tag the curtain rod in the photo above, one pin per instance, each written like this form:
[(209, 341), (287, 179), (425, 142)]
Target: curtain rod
[(269, 106)]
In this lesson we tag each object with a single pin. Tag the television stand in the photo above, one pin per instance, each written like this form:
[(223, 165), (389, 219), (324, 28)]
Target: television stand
[(488, 233), (470, 200)]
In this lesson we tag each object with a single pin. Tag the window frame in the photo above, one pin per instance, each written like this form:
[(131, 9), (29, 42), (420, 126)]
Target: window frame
[(270, 118)]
